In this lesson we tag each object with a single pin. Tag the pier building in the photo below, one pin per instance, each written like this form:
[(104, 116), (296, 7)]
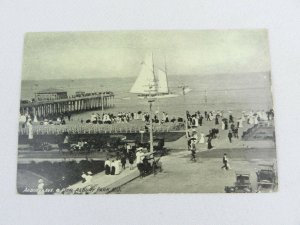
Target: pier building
[(50, 94)]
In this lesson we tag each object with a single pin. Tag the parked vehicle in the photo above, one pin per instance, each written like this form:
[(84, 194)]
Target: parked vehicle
[(150, 165), (242, 184), (266, 178)]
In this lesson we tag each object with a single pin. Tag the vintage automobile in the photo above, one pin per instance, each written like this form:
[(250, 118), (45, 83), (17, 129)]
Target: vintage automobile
[(242, 184), (115, 143), (266, 178), (80, 147)]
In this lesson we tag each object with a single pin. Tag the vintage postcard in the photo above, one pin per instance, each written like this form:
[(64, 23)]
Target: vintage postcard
[(129, 112)]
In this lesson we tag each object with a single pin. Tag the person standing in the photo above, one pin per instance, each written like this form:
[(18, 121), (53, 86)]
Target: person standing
[(123, 161), (226, 124), (117, 166), (209, 145), (139, 161), (128, 148), (139, 156), (216, 120), (113, 167), (240, 124), (193, 150), (131, 159), (167, 118), (230, 118), (200, 120), (40, 188), (196, 121), (202, 139), (223, 125), (236, 132), (107, 166), (66, 143), (230, 136), (30, 133)]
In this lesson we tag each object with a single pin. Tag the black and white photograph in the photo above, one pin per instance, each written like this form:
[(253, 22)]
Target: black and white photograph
[(150, 112), (146, 112)]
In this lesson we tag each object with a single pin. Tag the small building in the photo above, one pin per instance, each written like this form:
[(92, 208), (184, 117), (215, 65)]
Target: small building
[(50, 94), (79, 93)]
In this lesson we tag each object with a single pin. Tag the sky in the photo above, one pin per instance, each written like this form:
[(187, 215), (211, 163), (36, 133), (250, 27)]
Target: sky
[(77, 55)]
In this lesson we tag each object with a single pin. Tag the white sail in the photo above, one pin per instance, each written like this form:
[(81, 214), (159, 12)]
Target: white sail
[(162, 82), (187, 90), (145, 82)]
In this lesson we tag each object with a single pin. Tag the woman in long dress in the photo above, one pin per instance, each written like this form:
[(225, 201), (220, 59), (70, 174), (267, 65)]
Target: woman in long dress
[(223, 125), (196, 121), (30, 133), (113, 167), (202, 139), (117, 165), (256, 120), (131, 158), (107, 166), (240, 123), (209, 145), (216, 120)]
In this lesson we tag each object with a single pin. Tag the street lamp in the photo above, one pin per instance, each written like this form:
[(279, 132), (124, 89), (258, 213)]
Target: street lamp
[(151, 125)]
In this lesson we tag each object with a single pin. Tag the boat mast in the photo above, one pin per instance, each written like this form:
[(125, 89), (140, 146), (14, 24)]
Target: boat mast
[(155, 81), (166, 74), (150, 101)]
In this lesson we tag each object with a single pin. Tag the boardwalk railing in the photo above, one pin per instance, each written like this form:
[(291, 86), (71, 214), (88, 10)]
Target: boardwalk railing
[(99, 128)]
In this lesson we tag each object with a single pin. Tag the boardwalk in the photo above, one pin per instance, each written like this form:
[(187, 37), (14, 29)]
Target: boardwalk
[(103, 184)]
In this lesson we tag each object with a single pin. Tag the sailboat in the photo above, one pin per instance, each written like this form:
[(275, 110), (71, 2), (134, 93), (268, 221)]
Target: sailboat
[(185, 89), (151, 83)]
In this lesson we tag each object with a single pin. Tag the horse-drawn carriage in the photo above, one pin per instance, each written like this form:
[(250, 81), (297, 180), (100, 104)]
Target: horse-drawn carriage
[(150, 164)]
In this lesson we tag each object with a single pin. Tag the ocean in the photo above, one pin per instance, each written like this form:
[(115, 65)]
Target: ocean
[(235, 92)]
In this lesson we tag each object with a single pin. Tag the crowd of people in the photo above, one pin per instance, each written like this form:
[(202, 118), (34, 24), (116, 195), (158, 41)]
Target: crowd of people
[(221, 121), (136, 158), (126, 117), (115, 165), (58, 119)]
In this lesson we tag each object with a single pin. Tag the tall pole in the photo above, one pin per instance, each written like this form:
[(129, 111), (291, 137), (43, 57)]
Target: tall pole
[(151, 128), (102, 102), (205, 98), (150, 111), (186, 119)]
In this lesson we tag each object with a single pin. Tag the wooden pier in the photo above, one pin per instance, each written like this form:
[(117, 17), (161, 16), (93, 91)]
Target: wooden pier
[(71, 104)]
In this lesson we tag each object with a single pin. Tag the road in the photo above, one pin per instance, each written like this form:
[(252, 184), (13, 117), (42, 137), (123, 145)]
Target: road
[(180, 175)]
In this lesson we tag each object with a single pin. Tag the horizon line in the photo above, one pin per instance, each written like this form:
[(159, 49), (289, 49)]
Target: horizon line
[(203, 74)]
